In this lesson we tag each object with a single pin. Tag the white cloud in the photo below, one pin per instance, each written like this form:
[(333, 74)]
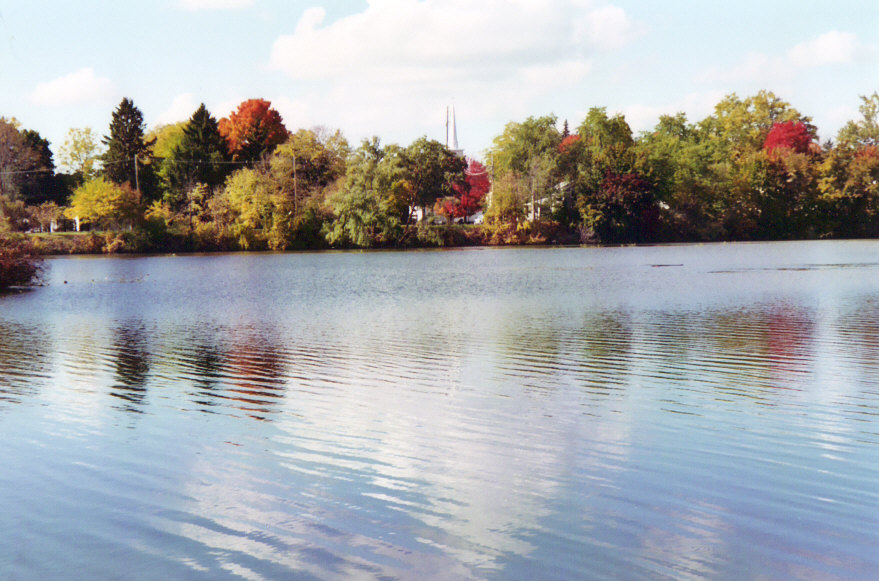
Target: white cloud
[(609, 28), (295, 113), (195, 5), (398, 63), (225, 108), (756, 67), (407, 41), (832, 48), (82, 86), (556, 74), (181, 109)]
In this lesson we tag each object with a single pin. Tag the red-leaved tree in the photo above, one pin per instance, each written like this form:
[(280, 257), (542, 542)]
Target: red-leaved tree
[(478, 185), (253, 130), (791, 136), (467, 199)]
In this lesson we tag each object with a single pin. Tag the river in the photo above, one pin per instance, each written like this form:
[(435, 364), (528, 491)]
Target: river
[(666, 412)]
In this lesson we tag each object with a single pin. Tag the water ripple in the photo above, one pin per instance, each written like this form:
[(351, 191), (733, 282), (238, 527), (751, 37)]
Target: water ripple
[(458, 415)]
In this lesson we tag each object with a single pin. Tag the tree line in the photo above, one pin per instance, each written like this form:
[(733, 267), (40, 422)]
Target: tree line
[(752, 170)]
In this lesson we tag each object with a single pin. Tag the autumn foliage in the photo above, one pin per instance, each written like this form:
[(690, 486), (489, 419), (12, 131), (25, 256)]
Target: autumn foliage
[(253, 130), (478, 185), (788, 136), (19, 266), (568, 142), (468, 196)]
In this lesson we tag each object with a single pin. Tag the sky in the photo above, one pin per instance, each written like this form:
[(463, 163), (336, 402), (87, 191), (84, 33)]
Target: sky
[(390, 68)]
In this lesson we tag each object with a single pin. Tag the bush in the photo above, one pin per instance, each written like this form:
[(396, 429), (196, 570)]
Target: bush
[(19, 265)]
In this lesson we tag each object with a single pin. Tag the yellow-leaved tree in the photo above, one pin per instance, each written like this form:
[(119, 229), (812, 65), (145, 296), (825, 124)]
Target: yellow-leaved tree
[(105, 204)]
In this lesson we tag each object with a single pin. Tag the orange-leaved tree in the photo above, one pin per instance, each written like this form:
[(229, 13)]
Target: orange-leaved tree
[(253, 130)]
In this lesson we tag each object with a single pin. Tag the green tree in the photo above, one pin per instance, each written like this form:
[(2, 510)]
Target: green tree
[(745, 194), (434, 173), (80, 154), (128, 158), (370, 206), (674, 158), (307, 163), (251, 197), (742, 125), (848, 191), (507, 201), (17, 159), (622, 210), (529, 152), (864, 131), (198, 157), (40, 184), (304, 169), (614, 201)]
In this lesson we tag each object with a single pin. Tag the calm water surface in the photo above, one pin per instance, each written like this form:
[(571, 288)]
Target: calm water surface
[(676, 412)]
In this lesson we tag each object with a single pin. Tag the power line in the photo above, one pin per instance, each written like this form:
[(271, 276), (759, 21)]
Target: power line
[(191, 162)]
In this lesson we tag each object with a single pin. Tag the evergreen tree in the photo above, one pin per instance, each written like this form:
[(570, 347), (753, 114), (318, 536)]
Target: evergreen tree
[(125, 144), (200, 156)]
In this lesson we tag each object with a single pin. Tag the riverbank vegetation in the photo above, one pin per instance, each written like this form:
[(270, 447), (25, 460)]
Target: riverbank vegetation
[(752, 170), (19, 263)]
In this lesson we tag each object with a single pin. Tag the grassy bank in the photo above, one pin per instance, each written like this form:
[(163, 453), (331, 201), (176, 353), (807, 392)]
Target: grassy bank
[(421, 236)]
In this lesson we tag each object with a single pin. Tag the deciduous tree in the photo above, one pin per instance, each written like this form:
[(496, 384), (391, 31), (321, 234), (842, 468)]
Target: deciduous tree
[(105, 204), (253, 130), (80, 154), (529, 152), (434, 173), (17, 158), (788, 136), (472, 196), (40, 184), (622, 210), (371, 205), (864, 131), (742, 125)]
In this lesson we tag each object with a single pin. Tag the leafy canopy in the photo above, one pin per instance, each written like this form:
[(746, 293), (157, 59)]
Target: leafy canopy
[(253, 130)]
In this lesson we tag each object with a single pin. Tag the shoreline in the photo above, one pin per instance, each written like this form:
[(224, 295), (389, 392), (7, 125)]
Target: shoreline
[(96, 244)]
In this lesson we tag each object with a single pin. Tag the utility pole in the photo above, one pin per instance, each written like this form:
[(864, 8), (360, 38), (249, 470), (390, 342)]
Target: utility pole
[(136, 179), (295, 192)]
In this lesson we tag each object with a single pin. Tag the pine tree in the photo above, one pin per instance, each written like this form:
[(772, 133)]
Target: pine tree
[(125, 144), (199, 158), (205, 147)]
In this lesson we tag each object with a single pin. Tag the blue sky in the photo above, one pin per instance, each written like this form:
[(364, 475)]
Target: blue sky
[(390, 67)]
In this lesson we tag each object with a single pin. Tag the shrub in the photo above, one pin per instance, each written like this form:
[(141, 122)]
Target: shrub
[(19, 265)]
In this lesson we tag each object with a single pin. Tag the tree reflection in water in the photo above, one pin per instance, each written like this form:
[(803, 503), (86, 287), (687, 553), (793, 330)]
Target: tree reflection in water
[(132, 366), (255, 373), (24, 352)]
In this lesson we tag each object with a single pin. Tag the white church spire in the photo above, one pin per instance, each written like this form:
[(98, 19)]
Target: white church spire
[(452, 126)]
